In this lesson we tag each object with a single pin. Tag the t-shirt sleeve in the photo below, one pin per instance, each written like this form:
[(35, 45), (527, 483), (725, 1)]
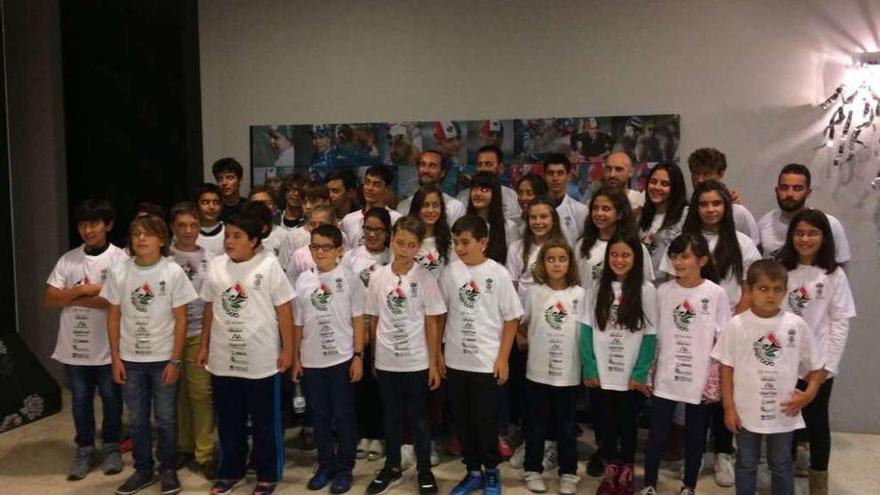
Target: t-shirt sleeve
[(722, 311), (588, 309), (511, 308), (723, 350), (209, 291), (59, 275), (183, 292), (372, 300), (110, 289), (358, 296), (649, 306), (750, 255), (840, 310), (282, 291), (666, 263), (514, 263), (434, 304), (647, 264), (810, 356), (841, 243), (298, 310)]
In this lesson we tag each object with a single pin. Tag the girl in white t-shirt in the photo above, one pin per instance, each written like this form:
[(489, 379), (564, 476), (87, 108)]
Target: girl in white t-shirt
[(818, 291), (665, 210), (247, 343), (617, 348), (550, 322), (486, 201), (146, 323), (405, 303), (542, 224), (428, 206), (610, 212), (692, 309)]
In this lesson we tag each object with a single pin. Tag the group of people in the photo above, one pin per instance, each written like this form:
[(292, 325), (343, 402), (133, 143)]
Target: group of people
[(453, 313)]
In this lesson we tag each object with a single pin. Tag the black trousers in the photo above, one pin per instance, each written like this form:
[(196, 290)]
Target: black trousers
[(405, 395), (818, 431), (474, 398), (619, 413), (368, 402)]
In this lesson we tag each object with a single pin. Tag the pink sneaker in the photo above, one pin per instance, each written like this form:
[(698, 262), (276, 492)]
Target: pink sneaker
[(504, 448), (625, 480), (608, 486)]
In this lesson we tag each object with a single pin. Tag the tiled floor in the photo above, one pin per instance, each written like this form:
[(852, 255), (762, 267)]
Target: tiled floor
[(35, 458)]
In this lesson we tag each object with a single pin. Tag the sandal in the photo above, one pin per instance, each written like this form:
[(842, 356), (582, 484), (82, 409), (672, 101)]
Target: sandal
[(264, 488), (223, 487)]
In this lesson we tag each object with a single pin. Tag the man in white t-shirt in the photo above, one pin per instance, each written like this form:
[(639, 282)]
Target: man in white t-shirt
[(211, 228), (710, 164), (82, 347), (432, 170), (617, 171), (377, 181), (792, 191), (490, 159), (763, 351), (572, 214)]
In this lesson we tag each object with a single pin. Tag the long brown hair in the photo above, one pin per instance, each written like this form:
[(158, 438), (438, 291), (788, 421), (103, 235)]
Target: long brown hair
[(539, 272), (152, 225)]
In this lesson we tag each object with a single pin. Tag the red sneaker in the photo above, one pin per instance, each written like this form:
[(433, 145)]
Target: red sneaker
[(453, 447), (608, 486), (504, 448), (625, 480), (126, 445)]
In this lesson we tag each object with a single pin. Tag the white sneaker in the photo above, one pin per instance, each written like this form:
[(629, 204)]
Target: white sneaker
[(435, 454), (407, 456), (551, 456), (362, 447), (534, 482), (687, 491), (376, 450), (724, 470), (568, 484), (519, 457), (648, 490)]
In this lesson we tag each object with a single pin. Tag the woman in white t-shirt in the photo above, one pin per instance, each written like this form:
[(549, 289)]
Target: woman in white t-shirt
[(553, 371), (818, 291), (428, 206), (247, 343), (664, 212), (486, 202), (692, 309), (618, 338)]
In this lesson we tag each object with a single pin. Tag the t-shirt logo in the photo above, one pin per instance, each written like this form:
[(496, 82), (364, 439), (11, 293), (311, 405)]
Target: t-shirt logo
[(798, 300), (469, 294), (683, 315), (234, 300), (321, 297), (597, 270), (395, 301), (615, 309), (365, 274), (430, 260), (767, 349), (650, 242), (556, 315), (141, 298), (189, 270)]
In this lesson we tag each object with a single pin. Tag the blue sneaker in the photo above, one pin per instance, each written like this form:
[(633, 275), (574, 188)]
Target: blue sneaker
[(320, 479), (472, 482), (341, 482), (493, 482)]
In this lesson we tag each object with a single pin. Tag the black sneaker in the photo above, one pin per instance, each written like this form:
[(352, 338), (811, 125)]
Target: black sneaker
[(169, 484), (427, 483), (136, 482), (184, 458), (596, 465), (387, 478)]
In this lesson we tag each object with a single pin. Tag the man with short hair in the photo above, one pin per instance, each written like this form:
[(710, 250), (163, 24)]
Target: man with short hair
[(617, 172), (491, 159), (228, 172), (710, 164), (377, 180), (572, 214), (342, 186), (432, 170), (792, 190)]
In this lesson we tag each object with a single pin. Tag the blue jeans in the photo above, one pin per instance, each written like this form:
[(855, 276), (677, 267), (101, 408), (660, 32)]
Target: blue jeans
[(778, 460), (83, 380), (330, 399), (143, 391), (695, 417)]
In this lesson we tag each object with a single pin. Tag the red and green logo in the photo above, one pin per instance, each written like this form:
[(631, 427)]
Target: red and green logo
[(321, 297), (556, 315), (234, 300), (469, 294), (767, 349), (396, 301), (141, 298), (798, 300), (683, 315), (430, 260)]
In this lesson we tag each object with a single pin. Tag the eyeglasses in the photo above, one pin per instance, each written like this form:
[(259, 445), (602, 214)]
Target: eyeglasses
[(325, 248), (373, 230)]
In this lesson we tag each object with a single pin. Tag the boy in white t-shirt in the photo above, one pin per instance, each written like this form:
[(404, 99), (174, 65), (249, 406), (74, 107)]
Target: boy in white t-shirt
[(73, 286), (211, 228), (328, 343), (146, 324), (484, 312), (195, 411), (763, 351)]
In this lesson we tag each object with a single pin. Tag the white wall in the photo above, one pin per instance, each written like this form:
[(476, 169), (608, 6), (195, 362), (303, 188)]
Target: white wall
[(745, 76)]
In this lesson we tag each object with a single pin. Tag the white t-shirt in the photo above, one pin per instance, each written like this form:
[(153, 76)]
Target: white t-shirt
[(195, 266), (244, 331), (147, 297), (731, 285), (636, 199), (825, 302), (480, 299), (689, 322), (454, 208), (213, 243), (276, 239), (590, 269), (509, 203), (773, 227), (82, 332), (429, 257), (299, 237), (767, 355), (352, 226), (325, 304), (401, 304), (744, 222), (572, 216), (522, 278), (553, 318), (657, 240), (363, 263), (300, 262), (617, 348)]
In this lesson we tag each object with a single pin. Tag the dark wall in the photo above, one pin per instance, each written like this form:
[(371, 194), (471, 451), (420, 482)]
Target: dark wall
[(132, 103), (7, 274)]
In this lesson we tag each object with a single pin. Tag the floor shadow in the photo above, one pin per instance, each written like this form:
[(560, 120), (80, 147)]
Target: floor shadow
[(29, 458)]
